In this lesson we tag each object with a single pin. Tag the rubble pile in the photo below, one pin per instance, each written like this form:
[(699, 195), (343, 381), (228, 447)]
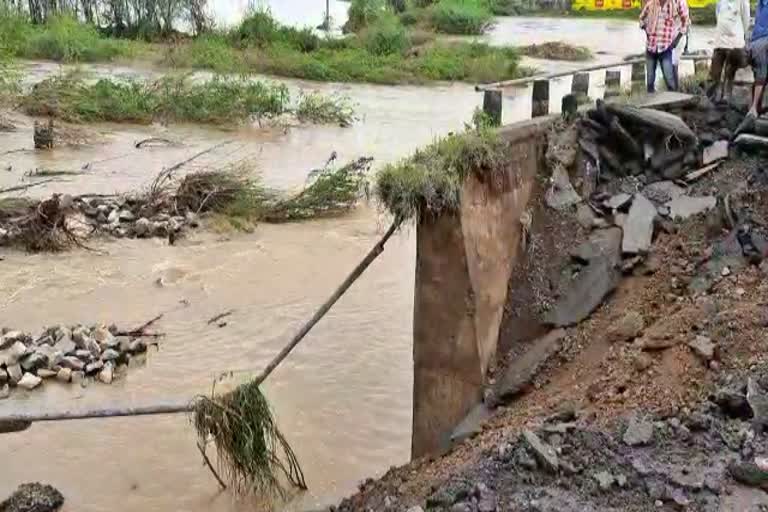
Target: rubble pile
[(703, 458), (69, 355)]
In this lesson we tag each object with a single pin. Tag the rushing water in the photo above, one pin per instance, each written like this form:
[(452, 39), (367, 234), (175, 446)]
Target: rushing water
[(343, 397)]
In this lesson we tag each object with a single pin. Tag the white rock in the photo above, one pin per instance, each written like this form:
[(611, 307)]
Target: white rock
[(15, 373), (715, 152), (110, 355), (107, 374), (105, 338), (29, 381), (126, 216), (5, 392), (64, 375), (142, 227), (46, 374), (114, 217)]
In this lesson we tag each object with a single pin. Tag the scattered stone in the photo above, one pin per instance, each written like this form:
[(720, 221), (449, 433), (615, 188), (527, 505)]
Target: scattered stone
[(65, 345), (522, 370), (748, 473), (94, 367), (33, 497), (626, 328), (5, 391), (142, 227), (715, 152), (33, 361), (561, 194), (703, 347), (46, 374), (110, 355), (544, 454), (106, 374), (64, 375), (638, 228), (472, 424), (15, 373), (585, 216), (29, 381), (3, 376), (13, 354), (639, 432), (126, 216), (757, 398), (618, 201), (663, 191), (604, 479), (686, 206), (72, 363), (113, 217), (583, 294), (105, 338)]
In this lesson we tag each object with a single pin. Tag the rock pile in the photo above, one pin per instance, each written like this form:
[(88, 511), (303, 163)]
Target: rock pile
[(70, 355), (705, 458), (125, 217)]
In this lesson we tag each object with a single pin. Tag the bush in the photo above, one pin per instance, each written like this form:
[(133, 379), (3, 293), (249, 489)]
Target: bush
[(362, 13), (261, 29), (65, 39), (386, 37), (209, 51), (466, 17)]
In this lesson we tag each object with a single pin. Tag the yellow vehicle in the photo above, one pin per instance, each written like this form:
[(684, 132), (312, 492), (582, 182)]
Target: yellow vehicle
[(599, 5)]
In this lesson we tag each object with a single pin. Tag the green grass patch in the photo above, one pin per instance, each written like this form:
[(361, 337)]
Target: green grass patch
[(430, 181), (62, 39), (557, 50), (362, 13), (464, 17), (221, 100)]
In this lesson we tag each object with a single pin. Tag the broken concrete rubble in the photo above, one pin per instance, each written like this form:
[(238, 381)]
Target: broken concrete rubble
[(638, 227), (585, 292), (684, 207)]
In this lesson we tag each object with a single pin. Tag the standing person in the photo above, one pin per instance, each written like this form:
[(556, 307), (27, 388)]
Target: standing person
[(729, 53), (758, 57), (663, 21)]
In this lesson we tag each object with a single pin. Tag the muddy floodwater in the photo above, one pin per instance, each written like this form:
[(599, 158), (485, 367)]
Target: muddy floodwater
[(343, 398)]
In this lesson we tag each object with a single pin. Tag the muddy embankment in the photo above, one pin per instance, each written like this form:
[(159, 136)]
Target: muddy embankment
[(630, 371)]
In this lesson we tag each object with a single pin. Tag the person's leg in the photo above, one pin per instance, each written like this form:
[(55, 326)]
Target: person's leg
[(667, 69), (715, 72), (760, 67), (650, 71), (733, 62)]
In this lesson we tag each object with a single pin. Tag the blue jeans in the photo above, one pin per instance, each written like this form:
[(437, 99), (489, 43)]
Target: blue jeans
[(667, 69)]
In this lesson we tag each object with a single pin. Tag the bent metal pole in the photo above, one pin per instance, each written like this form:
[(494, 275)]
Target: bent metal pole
[(21, 421)]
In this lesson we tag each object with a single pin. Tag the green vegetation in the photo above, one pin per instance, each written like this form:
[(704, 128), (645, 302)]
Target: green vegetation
[(61, 39), (220, 100), (430, 181), (469, 17), (557, 50), (383, 50)]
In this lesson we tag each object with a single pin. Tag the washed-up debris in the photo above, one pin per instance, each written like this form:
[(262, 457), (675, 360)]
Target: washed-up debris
[(68, 354), (170, 205)]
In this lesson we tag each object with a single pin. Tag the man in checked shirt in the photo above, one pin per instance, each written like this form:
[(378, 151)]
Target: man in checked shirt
[(664, 22)]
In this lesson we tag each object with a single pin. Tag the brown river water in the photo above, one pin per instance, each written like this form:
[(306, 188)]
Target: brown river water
[(343, 398)]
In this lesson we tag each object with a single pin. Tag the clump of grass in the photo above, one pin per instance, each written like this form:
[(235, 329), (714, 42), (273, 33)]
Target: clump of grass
[(464, 17), (362, 13), (557, 50), (430, 181), (316, 108), (220, 100), (252, 452), (261, 29), (387, 36)]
